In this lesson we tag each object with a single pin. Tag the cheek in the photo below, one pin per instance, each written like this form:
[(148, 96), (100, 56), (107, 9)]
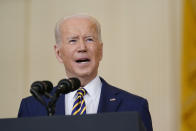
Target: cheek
[(64, 54), (99, 53)]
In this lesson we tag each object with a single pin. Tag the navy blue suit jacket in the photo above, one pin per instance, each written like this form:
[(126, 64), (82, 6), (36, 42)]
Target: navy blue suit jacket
[(112, 99)]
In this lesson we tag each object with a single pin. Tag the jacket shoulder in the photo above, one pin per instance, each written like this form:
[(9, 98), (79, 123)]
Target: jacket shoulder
[(30, 107), (122, 94), (129, 102)]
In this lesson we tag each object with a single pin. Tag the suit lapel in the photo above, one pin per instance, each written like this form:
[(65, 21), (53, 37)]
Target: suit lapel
[(109, 100), (60, 106)]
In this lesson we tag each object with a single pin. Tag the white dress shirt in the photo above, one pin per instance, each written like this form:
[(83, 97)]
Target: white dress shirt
[(92, 97)]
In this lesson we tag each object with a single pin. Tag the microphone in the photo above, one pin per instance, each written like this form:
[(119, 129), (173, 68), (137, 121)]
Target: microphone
[(68, 85), (48, 86), (40, 88), (64, 86)]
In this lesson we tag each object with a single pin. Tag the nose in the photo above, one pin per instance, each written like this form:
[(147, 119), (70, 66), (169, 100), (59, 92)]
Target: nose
[(82, 46)]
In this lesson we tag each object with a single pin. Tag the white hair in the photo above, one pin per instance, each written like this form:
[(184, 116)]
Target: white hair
[(58, 24)]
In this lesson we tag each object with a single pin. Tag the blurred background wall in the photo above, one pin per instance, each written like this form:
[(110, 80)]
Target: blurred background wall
[(142, 50)]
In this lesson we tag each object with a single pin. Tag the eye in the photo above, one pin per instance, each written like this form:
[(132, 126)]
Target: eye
[(89, 39), (72, 41)]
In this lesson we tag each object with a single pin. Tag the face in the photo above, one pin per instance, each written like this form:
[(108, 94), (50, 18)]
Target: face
[(80, 50)]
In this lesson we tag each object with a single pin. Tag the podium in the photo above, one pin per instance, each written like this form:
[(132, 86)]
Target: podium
[(117, 121)]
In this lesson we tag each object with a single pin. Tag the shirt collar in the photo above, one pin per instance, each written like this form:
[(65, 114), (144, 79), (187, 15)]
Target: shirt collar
[(93, 86)]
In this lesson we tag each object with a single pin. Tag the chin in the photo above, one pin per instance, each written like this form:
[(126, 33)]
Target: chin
[(83, 74)]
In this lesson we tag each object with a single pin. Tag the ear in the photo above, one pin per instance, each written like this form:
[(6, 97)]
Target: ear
[(58, 53), (101, 51)]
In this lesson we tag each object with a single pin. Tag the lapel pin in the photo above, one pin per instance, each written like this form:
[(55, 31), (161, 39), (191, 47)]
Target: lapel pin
[(112, 99)]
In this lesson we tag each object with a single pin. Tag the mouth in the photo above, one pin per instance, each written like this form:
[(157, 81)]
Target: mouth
[(82, 60)]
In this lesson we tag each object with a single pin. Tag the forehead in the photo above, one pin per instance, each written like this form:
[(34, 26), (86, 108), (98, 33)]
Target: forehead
[(78, 25)]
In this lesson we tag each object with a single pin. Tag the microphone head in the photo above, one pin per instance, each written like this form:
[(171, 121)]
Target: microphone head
[(48, 86), (37, 87), (68, 85), (75, 83), (41, 87)]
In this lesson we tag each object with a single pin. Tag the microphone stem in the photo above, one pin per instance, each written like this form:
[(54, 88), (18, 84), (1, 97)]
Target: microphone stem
[(52, 104)]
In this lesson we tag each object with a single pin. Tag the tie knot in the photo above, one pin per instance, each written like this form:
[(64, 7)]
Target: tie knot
[(81, 92)]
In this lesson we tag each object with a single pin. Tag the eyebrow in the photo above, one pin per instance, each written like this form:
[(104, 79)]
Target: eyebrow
[(77, 37), (89, 36), (73, 37)]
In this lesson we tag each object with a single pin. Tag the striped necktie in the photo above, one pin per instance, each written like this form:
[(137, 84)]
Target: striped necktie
[(79, 106)]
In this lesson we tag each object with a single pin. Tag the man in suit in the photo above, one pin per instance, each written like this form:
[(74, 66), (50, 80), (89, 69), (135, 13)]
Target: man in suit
[(79, 47)]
